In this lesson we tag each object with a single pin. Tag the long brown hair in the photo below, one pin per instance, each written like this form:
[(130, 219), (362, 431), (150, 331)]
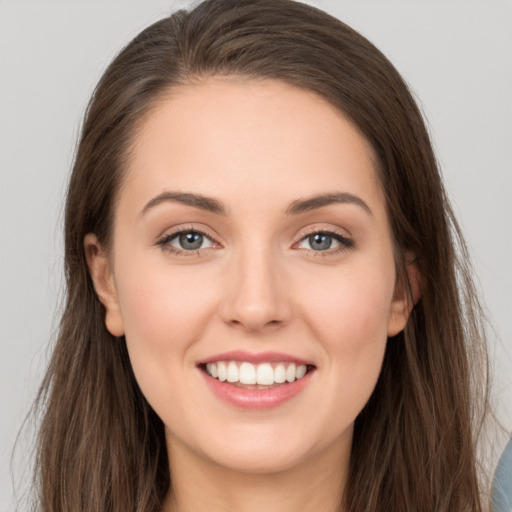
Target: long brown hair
[(101, 446)]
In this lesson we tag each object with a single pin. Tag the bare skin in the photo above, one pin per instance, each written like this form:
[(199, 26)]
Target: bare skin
[(309, 488), (290, 253)]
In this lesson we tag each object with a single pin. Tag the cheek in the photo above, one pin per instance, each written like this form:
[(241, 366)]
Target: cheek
[(162, 300), (164, 311), (351, 307), (349, 316)]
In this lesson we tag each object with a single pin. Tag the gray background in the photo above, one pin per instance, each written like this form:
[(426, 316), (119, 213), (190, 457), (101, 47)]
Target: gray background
[(455, 54)]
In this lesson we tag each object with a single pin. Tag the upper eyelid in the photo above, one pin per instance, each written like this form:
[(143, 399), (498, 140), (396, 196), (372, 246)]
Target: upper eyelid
[(179, 230), (172, 236), (304, 234), (329, 231), (345, 242), (164, 243), (342, 240)]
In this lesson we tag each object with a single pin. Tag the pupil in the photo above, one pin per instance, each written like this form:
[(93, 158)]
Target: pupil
[(191, 241), (320, 242)]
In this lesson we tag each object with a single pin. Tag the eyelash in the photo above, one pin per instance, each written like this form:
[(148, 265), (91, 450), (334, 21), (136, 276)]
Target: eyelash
[(345, 243), (164, 242)]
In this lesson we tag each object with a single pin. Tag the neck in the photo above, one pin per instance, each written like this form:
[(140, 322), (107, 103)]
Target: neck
[(201, 485)]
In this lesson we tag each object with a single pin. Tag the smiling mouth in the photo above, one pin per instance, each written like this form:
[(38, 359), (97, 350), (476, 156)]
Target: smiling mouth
[(265, 375)]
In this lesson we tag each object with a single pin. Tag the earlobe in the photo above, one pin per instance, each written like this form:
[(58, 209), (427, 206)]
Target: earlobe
[(103, 281), (406, 297)]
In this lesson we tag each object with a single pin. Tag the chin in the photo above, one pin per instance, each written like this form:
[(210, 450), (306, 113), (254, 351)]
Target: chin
[(259, 460), (260, 452)]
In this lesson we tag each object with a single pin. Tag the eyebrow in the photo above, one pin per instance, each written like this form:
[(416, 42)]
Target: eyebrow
[(319, 201), (195, 200), (296, 207)]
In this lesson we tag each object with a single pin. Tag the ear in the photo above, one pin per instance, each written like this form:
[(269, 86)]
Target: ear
[(103, 280), (407, 295)]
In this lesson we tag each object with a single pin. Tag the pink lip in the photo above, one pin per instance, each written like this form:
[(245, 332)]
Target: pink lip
[(254, 358), (256, 398)]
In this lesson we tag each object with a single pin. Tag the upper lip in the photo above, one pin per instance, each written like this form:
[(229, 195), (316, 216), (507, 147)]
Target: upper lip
[(255, 358)]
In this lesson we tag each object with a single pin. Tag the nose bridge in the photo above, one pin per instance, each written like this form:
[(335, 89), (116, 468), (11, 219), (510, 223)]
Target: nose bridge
[(257, 296)]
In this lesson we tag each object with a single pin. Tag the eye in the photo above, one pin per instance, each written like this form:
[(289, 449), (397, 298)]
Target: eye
[(186, 241), (320, 241), (189, 240), (323, 241)]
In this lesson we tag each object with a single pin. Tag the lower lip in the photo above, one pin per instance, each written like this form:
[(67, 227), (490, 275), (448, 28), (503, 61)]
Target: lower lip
[(257, 398)]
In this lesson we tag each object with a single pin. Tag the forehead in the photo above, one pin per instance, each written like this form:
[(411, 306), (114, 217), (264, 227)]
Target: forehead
[(228, 136)]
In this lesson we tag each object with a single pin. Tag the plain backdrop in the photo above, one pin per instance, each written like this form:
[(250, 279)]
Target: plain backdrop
[(456, 56)]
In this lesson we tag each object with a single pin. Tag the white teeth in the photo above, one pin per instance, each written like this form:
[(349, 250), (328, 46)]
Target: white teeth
[(221, 371), (232, 372), (279, 374), (290, 373), (212, 369), (264, 374), (247, 373), (300, 371)]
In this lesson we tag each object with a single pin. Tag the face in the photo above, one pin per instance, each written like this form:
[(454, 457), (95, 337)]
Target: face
[(251, 246)]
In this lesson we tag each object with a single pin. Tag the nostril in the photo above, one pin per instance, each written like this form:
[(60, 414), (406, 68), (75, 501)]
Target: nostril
[(255, 324)]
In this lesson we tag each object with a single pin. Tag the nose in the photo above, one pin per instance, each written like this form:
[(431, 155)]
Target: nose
[(256, 297)]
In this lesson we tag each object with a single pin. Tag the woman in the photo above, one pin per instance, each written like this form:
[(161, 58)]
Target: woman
[(265, 304)]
